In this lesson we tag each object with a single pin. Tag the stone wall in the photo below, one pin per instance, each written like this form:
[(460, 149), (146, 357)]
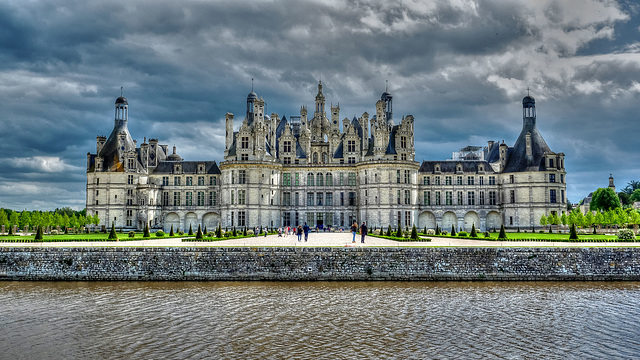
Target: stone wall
[(300, 263)]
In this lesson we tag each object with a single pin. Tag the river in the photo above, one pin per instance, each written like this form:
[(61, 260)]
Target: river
[(319, 320)]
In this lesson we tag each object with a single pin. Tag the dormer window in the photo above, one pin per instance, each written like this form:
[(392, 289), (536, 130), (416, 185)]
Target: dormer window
[(551, 163)]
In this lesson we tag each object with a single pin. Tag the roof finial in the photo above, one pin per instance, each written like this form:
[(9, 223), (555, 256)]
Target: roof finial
[(528, 91), (252, 84), (386, 88), (121, 90)]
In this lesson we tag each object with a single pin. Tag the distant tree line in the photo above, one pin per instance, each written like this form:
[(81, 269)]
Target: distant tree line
[(64, 218)]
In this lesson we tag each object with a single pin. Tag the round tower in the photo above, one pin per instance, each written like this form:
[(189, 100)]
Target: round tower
[(122, 111)]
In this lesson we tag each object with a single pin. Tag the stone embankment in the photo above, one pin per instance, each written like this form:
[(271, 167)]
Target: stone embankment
[(318, 263)]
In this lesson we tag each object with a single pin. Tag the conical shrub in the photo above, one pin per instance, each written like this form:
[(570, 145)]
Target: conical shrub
[(112, 233), (453, 230), (199, 233), (473, 230), (171, 233), (503, 234), (190, 230)]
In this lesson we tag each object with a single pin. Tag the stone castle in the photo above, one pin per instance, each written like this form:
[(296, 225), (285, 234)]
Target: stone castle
[(316, 169)]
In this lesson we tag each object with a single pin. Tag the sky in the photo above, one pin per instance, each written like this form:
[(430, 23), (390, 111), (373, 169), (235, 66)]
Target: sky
[(460, 67)]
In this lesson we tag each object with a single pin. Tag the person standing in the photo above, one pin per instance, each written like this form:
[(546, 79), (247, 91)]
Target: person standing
[(363, 230), (306, 231), (354, 228), (299, 232)]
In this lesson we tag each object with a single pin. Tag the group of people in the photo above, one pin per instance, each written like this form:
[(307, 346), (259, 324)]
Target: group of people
[(304, 229), (299, 230)]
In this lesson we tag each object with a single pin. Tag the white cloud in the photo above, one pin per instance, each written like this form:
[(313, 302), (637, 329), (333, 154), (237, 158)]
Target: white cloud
[(47, 164)]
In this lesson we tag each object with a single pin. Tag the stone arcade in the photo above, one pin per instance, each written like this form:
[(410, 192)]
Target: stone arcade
[(317, 169)]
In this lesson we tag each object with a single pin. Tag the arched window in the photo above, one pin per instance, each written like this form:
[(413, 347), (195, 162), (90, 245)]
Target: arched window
[(319, 180), (315, 158), (310, 179)]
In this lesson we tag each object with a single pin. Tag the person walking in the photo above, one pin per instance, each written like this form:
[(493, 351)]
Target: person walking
[(363, 231), (306, 231), (354, 228), (299, 232)]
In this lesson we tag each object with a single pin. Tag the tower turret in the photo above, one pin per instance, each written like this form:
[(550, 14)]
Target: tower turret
[(388, 106)]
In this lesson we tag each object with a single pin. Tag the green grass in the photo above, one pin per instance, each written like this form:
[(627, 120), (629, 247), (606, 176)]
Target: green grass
[(553, 237), (80, 237)]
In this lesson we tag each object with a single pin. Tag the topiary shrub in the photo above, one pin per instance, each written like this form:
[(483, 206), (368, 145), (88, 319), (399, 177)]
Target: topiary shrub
[(414, 233), (486, 234), (190, 230), (503, 234), (146, 234), (445, 233), (399, 232), (431, 232), (473, 230), (219, 231), (249, 232), (199, 234), (437, 230), (132, 234), (38, 233), (112, 233), (159, 233), (626, 235), (388, 231), (171, 233), (463, 234), (180, 233), (573, 235), (453, 231)]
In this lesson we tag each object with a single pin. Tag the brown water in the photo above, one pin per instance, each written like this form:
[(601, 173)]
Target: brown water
[(319, 320)]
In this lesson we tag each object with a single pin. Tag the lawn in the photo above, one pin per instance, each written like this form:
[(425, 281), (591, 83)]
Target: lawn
[(80, 237), (549, 237)]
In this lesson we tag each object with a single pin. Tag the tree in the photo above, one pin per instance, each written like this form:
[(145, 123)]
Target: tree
[(25, 218), (563, 220), (399, 232), (625, 199), (388, 234), (635, 195), (190, 230), (573, 235), (453, 230), (414, 233), (543, 221), (14, 218), (632, 186), (589, 220), (437, 230), (604, 199), (4, 219), (199, 233), (38, 233), (112, 233), (171, 233), (503, 234), (219, 232), (473, 230)]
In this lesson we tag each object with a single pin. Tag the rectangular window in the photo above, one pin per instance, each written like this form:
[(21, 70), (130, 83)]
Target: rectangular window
[(351, 146), (329, 179), (242, 218), (309, 199), (200, 180), (437, 180), (201, 198), (212, 180), (130, 163), (492, 197), (286, 179), (319, 179), (397, 176), (189, 181), (448, 198), (512, 196), (341, 199), (427, 180), (244, 157), (352, 179), (459, 197), (407, 218), (286, 198), (241, 197), (130, 179), (552, 196), (319, 197), (561, 178), (242, 176), (297, 182), (447, 180), (481, 198), (403, 141), (287, 161), (352, 198), (329, 199), (550, 163), (165, 181), (311, 219), (407, 197), (351, 160), (188, 199), (470, 180), (481, 180), (244, 143), (97, 181), (438, 202), (176, 181), (492, 180), (212, 198), (341, 179), (562, 196), (165, 198), (471, 198), (176, 198), (286, 147), (310, 179), (552, 178), (233, 197), (458, 180), (296, 199), (512, 179), (398, 197), (427, 198), (406, 176)]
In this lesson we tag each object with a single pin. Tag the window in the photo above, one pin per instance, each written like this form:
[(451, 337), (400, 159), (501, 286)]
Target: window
[(311, 219), (352, 179), (189, 198), (447, 180), (437, 197), (97, 181), (189, 181), (297, 182), (165, 198), (165, 181), (309, 199), (351, 146), (129, 222), (403, 157), (426, 180), (352, 198), (310, 181), (351, 160), (176, 181), (492, 180), (437, 180), (319, 197), (241, 218), (561, 178), (244, 142), (458, 180), (329, 199), (481, 198), (244, 157), (403, 141), (407, 174), (427, 198), (481, 180), (320, 179), (329, 179), (448, 198), (200, 180), (233, 198), (470, 180), (407, 218), (130, 163), (201, 198), (242, 176), (97, 192), (562, 196), (176, 198), (341, 199), (296, 199), (492, 197), (550, 163), (241, 197), (459, 197), (130, 179), (286, 147), (212, 198), (213, 180), (512, 196), (398, 197), (471, 198), (287, 161), (341, 179), (512, 179), (552, 178), (552, 196), (407, 197), (286, 179), (397, 176)]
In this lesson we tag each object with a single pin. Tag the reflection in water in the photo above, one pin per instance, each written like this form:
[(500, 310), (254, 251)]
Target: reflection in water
[(326, 320)]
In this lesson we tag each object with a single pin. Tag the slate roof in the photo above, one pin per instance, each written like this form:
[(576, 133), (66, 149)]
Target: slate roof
[(339, 153), (449, 166), (188, 167), (111, 151), (232, 148), (517, 160), (391, 149)]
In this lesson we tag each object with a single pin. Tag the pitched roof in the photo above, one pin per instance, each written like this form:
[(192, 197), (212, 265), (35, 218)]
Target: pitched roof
[(188, 167), (450, 166)]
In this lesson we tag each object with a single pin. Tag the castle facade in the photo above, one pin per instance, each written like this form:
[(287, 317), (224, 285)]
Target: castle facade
[(313, 168)]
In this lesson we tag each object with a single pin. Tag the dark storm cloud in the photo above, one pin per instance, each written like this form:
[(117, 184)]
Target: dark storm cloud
[(460, 67)]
